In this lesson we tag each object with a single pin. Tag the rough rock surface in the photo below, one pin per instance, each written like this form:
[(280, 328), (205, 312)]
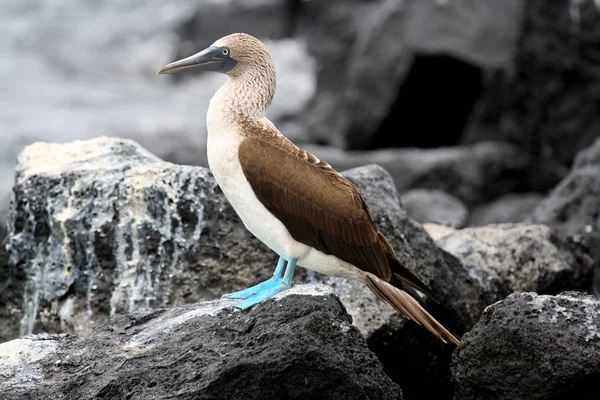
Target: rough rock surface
[(103, 226), (300, 346), (549, 100), (573, 207), (517, 257), (534, 347), (412, 357), (510, 208), (352, 100), (431, 205), (475, 174)]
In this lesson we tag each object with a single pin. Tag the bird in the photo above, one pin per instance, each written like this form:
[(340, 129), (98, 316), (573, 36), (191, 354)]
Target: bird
[(294, 202)]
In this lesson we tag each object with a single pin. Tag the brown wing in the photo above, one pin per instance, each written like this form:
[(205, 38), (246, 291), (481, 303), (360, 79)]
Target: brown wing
[(318, 206), (322, 209)]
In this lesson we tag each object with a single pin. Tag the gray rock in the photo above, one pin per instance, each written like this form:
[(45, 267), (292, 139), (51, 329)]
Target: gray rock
[(299, 346), (588, 157), (462, 299), (532, 346), (517, 257), (431, 205), (329, 28), (573, 206), (103, 226), (510, 208), (372, 88), (548, 101), (482, 33), (475, 174)]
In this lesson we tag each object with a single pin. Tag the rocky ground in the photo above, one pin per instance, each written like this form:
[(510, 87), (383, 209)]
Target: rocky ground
[(113, 258), (107, 232)]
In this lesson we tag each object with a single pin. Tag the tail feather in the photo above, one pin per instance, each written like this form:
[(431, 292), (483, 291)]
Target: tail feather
[(401, 273), (410, 308)]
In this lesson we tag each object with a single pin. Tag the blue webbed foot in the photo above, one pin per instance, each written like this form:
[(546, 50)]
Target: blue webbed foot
[(263, 295), (266, 285), (269, 283), (264, 291)]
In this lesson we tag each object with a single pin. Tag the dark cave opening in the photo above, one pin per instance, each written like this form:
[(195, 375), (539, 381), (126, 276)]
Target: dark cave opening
[(433, 104)]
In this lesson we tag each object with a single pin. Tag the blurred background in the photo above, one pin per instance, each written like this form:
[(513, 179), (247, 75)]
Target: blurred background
[(486, 100)]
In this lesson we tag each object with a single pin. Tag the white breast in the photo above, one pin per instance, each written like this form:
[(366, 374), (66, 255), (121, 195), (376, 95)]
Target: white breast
[(222, 146)]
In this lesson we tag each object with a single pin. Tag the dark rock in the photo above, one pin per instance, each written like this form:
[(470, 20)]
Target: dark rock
[(481, 36), (510, 208), (412, 357), (103, 226), (475, 174), (329, 28), (12, 282), (299, 346), (431, 205), (371, 88), (3, 230), (532, 346), (548, 102), (517, 257)]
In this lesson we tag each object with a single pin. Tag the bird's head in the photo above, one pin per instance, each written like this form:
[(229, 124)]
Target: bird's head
[(235, 55)]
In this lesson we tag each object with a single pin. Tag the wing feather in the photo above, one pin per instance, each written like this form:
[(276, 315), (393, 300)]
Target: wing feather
[(323, 210)]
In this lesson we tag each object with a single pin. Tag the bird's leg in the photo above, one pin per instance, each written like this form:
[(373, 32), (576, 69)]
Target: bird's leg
[(268, 292), (274, 281)]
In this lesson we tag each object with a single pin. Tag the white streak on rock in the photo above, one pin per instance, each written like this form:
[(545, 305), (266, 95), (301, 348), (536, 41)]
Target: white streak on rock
[(161, 327)]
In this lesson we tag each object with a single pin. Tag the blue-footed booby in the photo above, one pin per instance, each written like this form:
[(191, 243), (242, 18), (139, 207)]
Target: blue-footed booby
[(294, 202)]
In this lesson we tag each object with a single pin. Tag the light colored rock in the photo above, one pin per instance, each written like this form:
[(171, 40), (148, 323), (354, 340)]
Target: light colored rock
[(510, 208), (20, 362), (431, 205), (517, 257), (483, 33), (103, 226)]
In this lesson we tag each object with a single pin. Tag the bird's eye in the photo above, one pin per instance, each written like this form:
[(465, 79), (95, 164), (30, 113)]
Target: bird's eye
[(225, 52)]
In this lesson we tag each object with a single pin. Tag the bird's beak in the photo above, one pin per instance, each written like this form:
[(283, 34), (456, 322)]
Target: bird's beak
[(210, 59)]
